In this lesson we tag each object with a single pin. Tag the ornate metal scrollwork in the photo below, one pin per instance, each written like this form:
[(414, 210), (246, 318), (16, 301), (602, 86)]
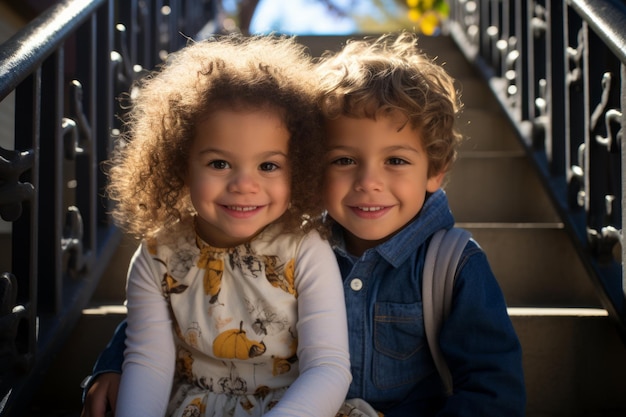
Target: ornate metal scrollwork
[(78, 137), (541, 121), (470, 21), (539, 20), (576, 192), (576, 173), (511, 55), (72, 240), (13, 192), (575, 56), (604, 241), (612, 117), (122, 63), (11, 316)]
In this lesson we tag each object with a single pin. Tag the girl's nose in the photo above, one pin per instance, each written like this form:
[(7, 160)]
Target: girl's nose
[(243, 182)]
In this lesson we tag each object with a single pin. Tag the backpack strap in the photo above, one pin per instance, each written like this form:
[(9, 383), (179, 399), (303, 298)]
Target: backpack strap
[(442, 256)]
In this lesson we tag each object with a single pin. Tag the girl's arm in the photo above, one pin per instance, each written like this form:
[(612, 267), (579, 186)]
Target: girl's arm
[(148, 369), (323, 352)]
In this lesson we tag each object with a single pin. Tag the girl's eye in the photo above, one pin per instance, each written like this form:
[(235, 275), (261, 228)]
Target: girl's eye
[(268, 167), (396, 161), (218, 164), (343, 161)]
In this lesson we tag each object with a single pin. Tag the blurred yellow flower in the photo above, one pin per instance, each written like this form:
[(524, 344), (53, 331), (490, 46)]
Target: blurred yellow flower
[(429, 23), (414, 15), (428, 14)]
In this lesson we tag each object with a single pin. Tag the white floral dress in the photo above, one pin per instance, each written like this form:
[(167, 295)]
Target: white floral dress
[(240, 336)]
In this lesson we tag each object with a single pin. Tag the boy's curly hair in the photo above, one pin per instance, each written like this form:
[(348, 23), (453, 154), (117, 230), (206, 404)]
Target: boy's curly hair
[(149, 163), (370, 78)]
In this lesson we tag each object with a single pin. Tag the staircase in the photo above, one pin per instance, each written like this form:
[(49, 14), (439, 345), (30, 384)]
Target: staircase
[(574, 359)]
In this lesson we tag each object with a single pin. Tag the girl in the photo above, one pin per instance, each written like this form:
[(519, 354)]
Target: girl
[(235, 305)]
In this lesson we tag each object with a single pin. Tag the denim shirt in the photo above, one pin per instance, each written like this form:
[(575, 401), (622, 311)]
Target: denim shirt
[(391, 364), (392, 367)]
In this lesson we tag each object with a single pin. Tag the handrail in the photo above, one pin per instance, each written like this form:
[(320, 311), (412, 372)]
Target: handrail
[(558, 69), (607, 19), (62, 73), (25, 51)]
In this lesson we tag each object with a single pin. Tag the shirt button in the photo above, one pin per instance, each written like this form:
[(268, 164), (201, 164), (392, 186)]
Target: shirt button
[(356, 284)]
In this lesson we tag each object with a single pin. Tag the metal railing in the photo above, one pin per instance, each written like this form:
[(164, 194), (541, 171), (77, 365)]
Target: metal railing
[(558, 68), (63, 73)]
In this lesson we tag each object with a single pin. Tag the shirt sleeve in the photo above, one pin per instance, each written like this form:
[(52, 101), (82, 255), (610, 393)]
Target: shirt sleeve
[(481, 347), (323, 353), (110, 359), (149, 358)]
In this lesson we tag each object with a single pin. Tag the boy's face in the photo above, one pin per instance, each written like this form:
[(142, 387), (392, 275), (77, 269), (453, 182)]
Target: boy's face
[(376, 178)]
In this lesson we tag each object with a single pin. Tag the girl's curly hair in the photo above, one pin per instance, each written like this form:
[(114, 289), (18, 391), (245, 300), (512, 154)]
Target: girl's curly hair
[(149, 163), (372, 77)]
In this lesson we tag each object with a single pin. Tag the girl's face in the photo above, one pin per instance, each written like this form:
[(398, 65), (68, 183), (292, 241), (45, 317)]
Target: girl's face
[(238, 174), (376, 178)]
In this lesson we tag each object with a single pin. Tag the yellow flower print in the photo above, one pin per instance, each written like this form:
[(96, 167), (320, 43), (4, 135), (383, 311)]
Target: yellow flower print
[(262, 391), (194, 409), (213, 278), (170, 285), (152, 245), (184, 363), (280, 275), (283, 365), (211, 260)]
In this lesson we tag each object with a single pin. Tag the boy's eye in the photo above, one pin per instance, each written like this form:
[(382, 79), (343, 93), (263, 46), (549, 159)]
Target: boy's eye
[(268, 167), (218, 164), (343, 161), (396, 161)]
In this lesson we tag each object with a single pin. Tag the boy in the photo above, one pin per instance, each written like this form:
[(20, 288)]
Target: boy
[(390, 139)]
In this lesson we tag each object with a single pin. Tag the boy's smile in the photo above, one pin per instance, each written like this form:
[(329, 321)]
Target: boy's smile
[(376, 178)]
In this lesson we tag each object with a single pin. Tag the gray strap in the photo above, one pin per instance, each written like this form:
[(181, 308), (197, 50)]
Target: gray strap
[(438, 276)]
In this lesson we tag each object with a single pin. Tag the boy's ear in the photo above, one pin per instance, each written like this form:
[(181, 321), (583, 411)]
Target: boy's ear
[(434, 182)]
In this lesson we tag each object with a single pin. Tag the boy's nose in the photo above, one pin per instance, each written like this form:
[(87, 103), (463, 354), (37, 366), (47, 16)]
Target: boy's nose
[(368, 179)]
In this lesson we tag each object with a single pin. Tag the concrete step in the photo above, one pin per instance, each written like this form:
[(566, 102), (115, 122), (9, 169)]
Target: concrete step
[(498, 187), (476, 94), (522, 256), (536, 264), (61, 387), (574, 362), (486, 130)]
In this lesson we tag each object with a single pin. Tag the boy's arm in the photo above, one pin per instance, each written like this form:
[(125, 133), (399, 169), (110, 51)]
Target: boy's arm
[(481, 347), (100, 388)]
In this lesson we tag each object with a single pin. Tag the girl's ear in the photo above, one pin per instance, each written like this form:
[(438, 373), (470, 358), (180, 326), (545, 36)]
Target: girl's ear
[(434, 182)]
